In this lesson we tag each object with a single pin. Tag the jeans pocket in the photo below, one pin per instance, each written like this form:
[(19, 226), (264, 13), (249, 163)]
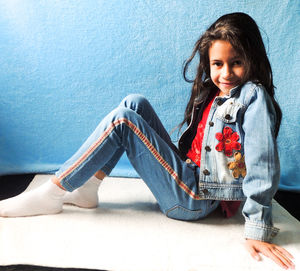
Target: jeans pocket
[(181, 213)]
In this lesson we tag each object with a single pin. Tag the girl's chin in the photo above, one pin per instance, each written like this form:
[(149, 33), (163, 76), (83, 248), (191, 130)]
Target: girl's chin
[(225, 88), (225, 91)]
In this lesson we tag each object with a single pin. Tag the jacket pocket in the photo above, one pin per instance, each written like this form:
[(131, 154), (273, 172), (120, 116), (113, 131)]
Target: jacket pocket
[(228, 111)]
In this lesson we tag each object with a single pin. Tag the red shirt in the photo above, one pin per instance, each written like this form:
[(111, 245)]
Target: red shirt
[(229, 208), (195, 151)]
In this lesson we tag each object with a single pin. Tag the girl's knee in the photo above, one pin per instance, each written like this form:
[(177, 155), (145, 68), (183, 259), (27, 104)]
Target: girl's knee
[(122, 112), (123, 115), (134, 101)]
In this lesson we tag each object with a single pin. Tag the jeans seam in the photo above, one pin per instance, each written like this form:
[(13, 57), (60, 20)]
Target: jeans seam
[(66, 184), (185, 209)]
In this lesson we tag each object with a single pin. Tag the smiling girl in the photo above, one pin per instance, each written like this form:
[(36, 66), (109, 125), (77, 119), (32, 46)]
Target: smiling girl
[(226, 155)]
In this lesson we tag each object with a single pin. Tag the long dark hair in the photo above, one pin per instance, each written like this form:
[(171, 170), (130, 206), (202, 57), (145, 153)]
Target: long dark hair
[(243, 33)]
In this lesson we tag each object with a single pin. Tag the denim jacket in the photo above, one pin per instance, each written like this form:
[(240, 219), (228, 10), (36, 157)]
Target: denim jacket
[(239, 159)]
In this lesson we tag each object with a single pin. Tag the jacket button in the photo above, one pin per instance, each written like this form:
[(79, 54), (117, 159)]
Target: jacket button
[(228, 117), (206, 172), (273, 234), (211, 124), (205, 191), (188, 161), (219, 102), (207, 148)]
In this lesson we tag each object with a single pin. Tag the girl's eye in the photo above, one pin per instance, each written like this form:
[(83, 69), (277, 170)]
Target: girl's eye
[(237, 62), (217, 64)]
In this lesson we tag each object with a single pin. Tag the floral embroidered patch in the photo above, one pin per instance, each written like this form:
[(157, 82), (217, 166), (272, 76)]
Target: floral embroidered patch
[(238, 167), (228, 141)]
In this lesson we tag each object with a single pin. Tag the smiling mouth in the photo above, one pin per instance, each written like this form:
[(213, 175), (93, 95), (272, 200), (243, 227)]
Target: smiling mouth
[(228, 84)]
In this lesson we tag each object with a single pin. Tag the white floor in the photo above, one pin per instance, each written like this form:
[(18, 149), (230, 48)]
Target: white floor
[(128, 232)]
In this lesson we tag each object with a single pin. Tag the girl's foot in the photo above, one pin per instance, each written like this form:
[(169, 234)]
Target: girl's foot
[(44, 200), (85, 196)]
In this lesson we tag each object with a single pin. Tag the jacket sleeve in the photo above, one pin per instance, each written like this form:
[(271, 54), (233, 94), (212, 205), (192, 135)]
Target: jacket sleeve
[(262, 163)]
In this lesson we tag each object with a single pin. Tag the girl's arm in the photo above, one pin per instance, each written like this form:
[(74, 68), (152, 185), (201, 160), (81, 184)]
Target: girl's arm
[(262, 179), (262, 164)]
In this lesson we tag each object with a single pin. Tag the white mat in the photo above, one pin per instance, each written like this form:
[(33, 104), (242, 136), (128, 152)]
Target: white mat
[(128, 232)]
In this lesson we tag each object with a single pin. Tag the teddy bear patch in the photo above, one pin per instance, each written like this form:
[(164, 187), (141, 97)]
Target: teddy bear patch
[(238, 167)]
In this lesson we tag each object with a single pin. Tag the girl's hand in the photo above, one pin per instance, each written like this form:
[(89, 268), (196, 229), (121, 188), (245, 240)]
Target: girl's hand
[(276, 253)]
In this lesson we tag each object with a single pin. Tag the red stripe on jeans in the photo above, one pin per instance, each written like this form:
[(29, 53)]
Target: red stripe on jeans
[(147, 143)]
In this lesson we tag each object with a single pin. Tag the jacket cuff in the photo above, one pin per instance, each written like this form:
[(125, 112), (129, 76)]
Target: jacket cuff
[(258, 231)]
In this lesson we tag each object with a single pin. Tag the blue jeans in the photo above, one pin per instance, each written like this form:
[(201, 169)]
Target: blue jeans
[(133, 127)]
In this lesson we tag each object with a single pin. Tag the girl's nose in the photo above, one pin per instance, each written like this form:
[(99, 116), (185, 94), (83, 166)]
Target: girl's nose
[(226, 71)]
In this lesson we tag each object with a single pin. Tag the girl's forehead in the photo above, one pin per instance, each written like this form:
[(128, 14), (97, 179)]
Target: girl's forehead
[(221, 48)]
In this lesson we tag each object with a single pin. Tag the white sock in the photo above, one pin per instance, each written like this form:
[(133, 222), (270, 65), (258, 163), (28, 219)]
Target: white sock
[(46, 199), (85, 196)]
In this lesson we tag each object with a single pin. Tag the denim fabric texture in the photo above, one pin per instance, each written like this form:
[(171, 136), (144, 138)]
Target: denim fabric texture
[(133, 127), (247, 111), (182, 189)]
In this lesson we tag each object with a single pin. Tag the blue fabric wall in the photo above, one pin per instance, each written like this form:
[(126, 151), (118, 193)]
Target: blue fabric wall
[(65, 64)]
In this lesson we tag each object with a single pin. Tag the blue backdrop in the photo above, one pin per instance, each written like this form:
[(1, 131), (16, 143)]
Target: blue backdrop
[(65, 64)]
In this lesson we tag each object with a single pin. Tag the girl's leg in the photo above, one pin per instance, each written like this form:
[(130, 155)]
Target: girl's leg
[(142, 107), (87, 195), (171, 180)]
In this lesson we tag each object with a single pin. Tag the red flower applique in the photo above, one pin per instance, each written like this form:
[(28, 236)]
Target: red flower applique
[(228, 141)]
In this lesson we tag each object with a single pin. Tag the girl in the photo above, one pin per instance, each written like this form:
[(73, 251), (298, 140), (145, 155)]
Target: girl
[(227, 154)]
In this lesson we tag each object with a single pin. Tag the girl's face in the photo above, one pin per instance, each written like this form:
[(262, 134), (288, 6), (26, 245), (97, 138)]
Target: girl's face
[(227, 67)]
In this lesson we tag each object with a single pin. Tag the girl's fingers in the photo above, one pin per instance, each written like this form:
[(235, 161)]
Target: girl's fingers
[(253, 252), (255, 255), (278, 258), (284, 252), (283, 256)]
